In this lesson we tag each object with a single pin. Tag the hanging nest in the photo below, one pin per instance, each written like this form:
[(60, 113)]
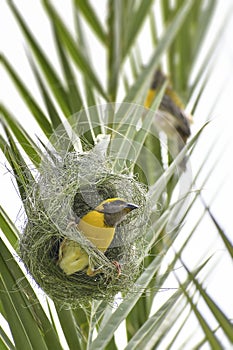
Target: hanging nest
[(67, 188)]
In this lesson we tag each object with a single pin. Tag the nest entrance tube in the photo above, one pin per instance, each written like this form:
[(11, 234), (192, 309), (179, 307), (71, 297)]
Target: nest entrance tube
[(68, 187)]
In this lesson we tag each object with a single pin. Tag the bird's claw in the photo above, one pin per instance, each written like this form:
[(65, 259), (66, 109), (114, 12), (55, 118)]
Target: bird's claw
[(118, 267)]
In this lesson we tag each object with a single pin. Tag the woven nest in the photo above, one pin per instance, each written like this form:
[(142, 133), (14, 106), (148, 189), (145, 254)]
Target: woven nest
[(67, 188)]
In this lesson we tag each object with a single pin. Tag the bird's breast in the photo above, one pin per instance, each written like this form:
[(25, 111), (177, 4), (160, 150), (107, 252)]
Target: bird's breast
[(96, 232)]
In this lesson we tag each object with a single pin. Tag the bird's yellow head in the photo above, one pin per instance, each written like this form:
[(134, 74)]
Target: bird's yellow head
[(114, 210)]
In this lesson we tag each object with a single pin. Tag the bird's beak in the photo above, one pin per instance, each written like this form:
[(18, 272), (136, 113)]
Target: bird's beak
[(131, 206)]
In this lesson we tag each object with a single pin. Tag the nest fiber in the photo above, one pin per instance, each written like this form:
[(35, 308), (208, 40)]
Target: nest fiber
[(67, 188)]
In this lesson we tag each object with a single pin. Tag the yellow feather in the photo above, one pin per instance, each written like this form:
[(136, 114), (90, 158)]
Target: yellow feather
[(72, 257), (149, 98), (93, 228)]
